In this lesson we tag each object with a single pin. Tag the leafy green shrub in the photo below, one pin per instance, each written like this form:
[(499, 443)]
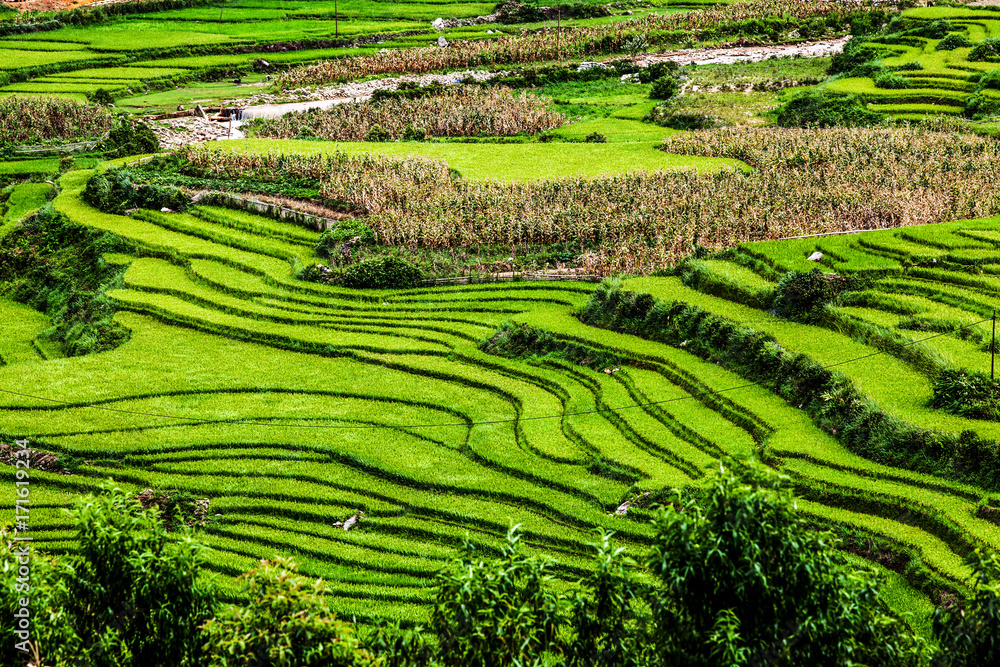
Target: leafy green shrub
[(801, 295), (392, 645), (343, 231), (378, 134), (56, 267), (823, 108), (411, 133), (635, 45), (933, 30), (135, 587), (102, 96), (287, 622), (986, 80), (855, 59), (657, 71), (956, 40), (988, 49), (664, 88), (669, 115), (912, 66), (130, 594), (512, 11), (967, 394), (891, 81), (607, 622), (595, 138), (118, 190), (750, 582), (49, 594), (382, 273), (968, 634), (979, 106), (130, 137), (495, 613)]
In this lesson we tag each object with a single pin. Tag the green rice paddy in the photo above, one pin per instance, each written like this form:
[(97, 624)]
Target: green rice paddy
[(515, 161), (292, 405), (938, 80)]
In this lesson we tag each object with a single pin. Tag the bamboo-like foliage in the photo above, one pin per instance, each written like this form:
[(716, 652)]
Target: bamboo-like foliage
[(36, 120), (553, 44), (804, 182), (457, 112)]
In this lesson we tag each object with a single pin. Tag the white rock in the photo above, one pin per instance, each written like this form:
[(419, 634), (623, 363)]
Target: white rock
[(630, 78), (438, 24), (442, 42), (816, 256)]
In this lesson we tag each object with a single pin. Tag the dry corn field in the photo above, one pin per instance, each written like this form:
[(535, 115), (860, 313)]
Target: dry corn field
[(803, 182), (567, 43), (461, 112), (36, 120)]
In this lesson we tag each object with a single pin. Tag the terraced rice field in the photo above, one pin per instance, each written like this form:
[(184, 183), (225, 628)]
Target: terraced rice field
[(125, 53), (939, 81), (73, 61), (293, 405)]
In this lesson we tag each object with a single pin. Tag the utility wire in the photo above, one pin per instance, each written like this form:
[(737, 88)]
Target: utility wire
[(196, 420)]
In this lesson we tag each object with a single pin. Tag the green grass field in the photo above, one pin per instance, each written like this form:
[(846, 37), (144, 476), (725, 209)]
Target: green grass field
[(515, 161)]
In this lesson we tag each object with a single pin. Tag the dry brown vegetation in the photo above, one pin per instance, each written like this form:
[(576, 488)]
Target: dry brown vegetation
[(552, 44), (458, 112), (37, 120), (804, 182)]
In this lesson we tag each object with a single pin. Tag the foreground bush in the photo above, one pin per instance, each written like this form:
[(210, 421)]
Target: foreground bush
[(461, 111), (502, 613), (745, 581), (131, 595), (988, 49), (970, 636), (286, 622), (736, 577)]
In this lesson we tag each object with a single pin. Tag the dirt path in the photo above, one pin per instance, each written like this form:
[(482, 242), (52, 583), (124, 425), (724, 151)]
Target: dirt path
[(738, 54)]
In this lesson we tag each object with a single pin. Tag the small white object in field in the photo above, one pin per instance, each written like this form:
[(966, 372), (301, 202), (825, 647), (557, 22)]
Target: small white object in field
[(442, 42), (438, 24), (816, 256)]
